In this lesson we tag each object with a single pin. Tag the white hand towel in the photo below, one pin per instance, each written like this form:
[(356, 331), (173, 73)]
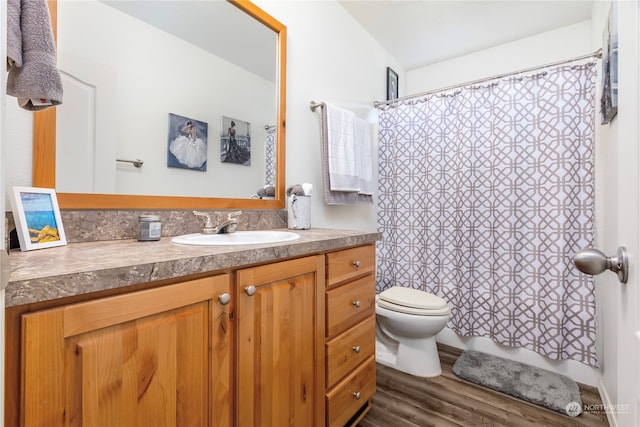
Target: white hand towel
[(332, 197), (365, 158), (343, 162)]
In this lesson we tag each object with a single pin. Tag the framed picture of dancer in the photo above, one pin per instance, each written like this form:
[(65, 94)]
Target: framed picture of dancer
[(37, 217), (187, 143), (235, 141)]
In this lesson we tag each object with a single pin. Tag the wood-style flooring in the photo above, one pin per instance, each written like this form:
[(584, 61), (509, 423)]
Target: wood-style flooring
[(406, 401)]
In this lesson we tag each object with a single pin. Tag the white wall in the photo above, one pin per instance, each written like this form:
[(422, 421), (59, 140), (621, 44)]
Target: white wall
[(552, 46)]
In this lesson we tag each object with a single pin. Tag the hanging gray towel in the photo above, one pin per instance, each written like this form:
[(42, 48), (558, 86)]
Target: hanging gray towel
[(31, 55), (14, 35)]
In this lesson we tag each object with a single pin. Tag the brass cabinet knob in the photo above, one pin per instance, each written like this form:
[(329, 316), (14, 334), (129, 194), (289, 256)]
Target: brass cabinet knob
[(224, 298)]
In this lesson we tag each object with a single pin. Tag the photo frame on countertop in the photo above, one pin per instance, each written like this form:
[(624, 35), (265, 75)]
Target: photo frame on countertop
[(37, 217)]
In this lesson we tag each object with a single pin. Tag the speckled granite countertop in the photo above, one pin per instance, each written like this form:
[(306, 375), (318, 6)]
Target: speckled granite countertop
[(81, 268)]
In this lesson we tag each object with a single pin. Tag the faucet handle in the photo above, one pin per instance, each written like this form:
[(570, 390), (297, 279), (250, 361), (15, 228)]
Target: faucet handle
[(206, 216), (232, 214), (208, 228)]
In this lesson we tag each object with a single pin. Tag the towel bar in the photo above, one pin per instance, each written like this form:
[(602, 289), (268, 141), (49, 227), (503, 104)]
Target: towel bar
[(315, 105), (137, 162)]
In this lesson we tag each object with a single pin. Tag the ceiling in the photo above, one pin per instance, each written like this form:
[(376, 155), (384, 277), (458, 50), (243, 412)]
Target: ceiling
[(422, 32)]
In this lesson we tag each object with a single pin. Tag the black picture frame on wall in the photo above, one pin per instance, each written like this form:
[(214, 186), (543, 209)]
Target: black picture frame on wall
[(609, 99), (392, 84)]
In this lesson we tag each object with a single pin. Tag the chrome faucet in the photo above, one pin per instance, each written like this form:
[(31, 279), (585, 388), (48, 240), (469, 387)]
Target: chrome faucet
[(229, 225)]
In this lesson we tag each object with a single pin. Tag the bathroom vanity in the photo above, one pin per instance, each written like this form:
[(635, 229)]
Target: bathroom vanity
[(104, 333)]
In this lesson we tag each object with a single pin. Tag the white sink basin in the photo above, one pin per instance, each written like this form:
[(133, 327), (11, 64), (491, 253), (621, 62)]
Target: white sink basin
[(257, 237)]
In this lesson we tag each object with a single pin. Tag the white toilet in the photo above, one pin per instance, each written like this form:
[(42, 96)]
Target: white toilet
[(407, 321)]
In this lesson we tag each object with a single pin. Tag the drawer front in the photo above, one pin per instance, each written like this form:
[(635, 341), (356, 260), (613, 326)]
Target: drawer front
[(349, 263), (350, 304), (349, 395), (349, 349)]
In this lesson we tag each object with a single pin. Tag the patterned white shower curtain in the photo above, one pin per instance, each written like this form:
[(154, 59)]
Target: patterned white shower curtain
[(270, 157), (485, 195)]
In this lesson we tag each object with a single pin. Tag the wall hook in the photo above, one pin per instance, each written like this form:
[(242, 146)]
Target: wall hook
[(592, 261)]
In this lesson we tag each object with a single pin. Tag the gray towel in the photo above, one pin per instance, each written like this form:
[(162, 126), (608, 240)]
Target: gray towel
[(14, 35), (31, 55)]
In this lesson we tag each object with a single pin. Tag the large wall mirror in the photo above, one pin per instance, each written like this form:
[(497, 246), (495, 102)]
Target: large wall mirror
[(195, 90)]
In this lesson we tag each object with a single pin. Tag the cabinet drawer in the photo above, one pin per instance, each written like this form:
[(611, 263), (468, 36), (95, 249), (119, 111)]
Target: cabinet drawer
[(350, 304), (349, 349), (349, 263), (349, 395)]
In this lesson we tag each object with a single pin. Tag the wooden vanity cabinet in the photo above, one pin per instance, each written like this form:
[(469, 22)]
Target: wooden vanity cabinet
[(350, 380), (286, 343), (158, 357), (280, 318)]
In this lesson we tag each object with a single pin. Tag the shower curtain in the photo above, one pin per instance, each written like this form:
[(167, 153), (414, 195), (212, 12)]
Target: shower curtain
[(270, 157), (485, 195)]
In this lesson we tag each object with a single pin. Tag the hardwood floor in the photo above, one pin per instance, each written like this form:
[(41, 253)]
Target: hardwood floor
[(403, 400)]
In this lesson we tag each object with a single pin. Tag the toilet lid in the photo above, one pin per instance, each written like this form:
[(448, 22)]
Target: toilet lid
[(413, 298)]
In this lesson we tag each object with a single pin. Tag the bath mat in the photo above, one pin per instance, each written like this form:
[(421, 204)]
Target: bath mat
[(538, 386)]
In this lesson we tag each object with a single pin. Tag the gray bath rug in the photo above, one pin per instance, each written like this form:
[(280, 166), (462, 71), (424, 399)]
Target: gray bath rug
[(539, 386)]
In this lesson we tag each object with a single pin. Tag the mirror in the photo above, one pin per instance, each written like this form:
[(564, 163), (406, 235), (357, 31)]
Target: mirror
[(159, 119)]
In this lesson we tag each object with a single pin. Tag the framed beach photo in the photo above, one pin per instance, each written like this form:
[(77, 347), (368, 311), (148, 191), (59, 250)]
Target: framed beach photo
[(37, 217), (392, 84)]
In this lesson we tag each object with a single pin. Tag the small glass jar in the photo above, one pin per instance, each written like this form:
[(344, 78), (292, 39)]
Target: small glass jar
[(149, 228)]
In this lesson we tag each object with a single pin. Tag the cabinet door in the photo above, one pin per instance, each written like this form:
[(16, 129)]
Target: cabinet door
[(157, 357), (280, 344)]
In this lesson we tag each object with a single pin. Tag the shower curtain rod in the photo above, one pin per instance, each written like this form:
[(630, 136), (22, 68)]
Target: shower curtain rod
[(596, 54)]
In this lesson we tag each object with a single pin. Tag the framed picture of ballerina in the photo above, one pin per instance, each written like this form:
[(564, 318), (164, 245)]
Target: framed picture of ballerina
[(37, 217), (235, 141), (187, 143)]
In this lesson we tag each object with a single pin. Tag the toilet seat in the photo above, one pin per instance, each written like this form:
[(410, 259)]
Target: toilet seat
[(412, 301)]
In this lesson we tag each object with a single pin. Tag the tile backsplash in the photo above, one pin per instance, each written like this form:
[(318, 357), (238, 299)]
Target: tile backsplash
[(96, 225)]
